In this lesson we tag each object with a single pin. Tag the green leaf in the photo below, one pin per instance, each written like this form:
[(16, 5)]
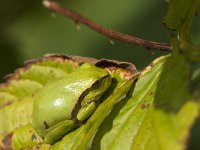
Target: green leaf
[(173, 85), (22, 88), (6, 98), (48, 70), (155, 116), (43, 74), (25, 137), (179, 17), (180, 12), (129, 120), (15, 115)]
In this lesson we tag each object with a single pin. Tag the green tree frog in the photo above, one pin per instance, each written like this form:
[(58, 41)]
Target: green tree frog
[(64, 104)]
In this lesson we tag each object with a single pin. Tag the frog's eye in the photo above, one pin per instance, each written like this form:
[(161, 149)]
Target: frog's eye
[(96, 84)]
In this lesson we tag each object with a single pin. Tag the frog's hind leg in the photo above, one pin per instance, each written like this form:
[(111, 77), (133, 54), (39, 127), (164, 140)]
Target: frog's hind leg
[(56, 133)]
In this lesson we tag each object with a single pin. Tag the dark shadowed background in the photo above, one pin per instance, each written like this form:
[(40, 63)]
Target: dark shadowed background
[(28, 30)]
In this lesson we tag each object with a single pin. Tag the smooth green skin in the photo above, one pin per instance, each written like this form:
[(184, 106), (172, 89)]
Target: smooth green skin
[(54, 112)]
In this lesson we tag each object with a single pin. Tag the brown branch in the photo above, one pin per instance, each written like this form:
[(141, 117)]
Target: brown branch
[(76, 17)]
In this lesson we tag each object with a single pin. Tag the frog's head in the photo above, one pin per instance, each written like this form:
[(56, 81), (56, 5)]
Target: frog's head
[(102, 81), (90, 98)]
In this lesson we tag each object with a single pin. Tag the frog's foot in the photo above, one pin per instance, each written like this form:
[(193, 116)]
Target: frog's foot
[(85, 112)]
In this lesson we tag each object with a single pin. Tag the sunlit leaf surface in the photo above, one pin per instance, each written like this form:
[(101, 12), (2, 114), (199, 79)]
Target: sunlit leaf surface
[(159, 114)]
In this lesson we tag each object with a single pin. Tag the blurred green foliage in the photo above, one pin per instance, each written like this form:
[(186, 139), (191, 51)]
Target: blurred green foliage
[(28, 30)]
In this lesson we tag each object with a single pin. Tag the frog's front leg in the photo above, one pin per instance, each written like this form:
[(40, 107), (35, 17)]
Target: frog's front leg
[(86, 111), (57, 132)]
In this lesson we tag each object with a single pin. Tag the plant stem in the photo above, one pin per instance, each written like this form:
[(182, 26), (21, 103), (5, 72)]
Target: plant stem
[(77, 18)]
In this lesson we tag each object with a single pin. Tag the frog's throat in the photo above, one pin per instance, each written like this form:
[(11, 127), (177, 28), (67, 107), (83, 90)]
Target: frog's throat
[(77, 106)]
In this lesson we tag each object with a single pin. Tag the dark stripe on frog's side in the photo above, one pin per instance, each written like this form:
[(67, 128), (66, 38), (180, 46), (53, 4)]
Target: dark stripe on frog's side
[(77, 106)]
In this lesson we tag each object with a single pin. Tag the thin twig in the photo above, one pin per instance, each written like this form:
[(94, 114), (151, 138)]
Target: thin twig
[(77, 18)]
